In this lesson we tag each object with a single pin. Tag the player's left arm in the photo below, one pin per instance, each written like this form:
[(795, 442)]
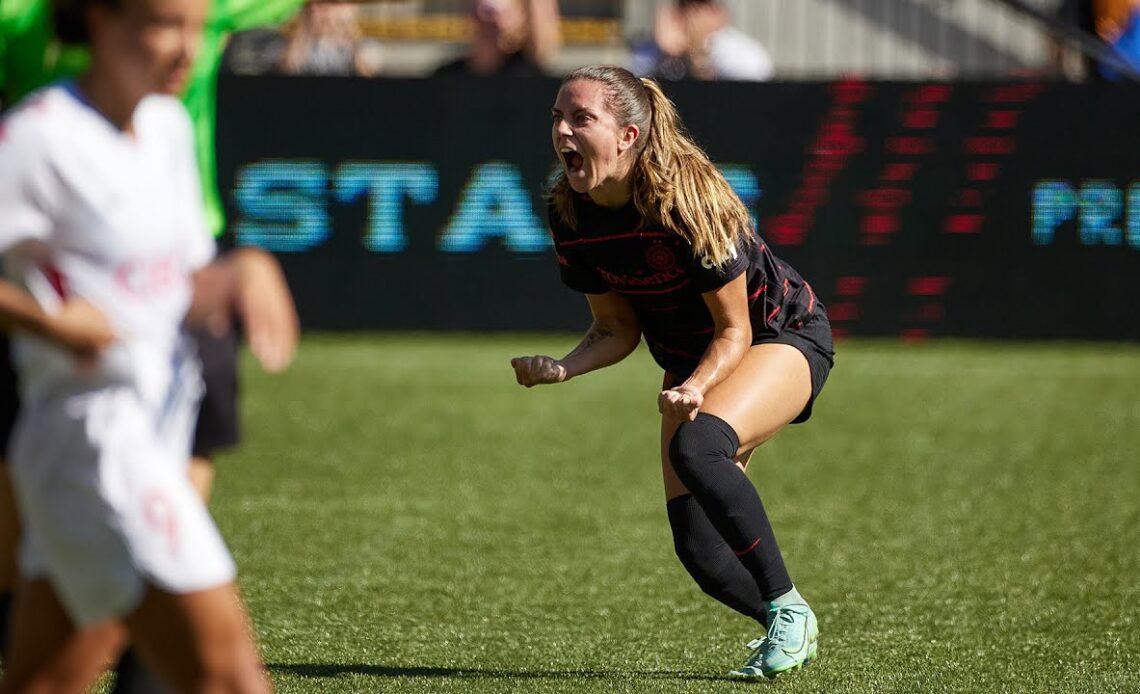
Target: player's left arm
[(732, 335), (247, 283)]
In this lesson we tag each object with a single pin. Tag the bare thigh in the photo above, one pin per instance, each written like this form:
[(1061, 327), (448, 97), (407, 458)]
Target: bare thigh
[(767, 390), (199, 641), (202, 476), (48, 654)]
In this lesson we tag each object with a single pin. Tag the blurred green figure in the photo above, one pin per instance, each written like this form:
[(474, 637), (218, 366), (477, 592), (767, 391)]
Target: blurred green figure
[(31, 56)]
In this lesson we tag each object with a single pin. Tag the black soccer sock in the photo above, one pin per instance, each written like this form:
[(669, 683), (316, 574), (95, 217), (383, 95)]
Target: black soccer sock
[(701, 453), (133, 677), (710, 561)]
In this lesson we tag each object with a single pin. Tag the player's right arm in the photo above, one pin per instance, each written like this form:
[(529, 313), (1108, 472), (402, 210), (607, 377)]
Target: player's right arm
[(77, 326), (613, 335)]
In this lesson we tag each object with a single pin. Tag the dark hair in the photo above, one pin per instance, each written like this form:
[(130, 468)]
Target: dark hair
[(70, 18)]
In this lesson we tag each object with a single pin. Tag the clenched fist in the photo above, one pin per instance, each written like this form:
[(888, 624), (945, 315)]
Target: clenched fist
[(681, 403), (536, 370)]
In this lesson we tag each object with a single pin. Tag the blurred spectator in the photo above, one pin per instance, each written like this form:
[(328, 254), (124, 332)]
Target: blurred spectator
[(1063, 56), (694, 39), (1117, 23), (326, 40), (509, 37), (256, 51)]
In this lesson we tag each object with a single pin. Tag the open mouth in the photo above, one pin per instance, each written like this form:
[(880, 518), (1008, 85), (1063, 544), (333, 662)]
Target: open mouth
[(573, 161)]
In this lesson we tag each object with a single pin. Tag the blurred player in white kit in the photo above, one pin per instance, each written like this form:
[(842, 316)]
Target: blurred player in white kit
[(108, 256)]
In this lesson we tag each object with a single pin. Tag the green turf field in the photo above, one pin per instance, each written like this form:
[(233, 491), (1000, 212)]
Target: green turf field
[(963, 518)]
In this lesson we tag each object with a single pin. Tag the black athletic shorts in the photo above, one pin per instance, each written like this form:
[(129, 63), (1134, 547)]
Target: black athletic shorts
[(217, 426), (814, 340), (9, 396)]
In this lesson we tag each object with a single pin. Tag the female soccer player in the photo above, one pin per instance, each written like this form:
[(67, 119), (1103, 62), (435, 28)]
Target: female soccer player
[(109, 252), (649, 230)]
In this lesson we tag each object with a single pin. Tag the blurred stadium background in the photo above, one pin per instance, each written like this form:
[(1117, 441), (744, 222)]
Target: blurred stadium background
[(905, 156), (807, 39)]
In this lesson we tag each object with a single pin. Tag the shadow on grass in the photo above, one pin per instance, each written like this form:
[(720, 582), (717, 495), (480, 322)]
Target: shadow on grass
[(338, 669)]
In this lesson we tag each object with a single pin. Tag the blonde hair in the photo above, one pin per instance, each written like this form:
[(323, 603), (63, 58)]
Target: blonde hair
[(674, 183)]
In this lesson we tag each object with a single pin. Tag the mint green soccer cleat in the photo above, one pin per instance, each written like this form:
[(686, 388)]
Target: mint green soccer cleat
[(791, 641)]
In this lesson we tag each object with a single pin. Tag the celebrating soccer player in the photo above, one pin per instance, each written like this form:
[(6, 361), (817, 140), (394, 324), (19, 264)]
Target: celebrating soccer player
[(651, 232)]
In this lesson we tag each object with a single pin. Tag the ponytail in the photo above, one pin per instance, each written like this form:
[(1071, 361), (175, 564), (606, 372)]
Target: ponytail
[(677, 185)]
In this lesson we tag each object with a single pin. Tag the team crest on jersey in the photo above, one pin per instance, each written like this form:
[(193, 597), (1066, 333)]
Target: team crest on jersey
[(660, 257)]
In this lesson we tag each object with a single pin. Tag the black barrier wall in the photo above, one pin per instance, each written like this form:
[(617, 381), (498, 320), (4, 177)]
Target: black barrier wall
[(980, 210)]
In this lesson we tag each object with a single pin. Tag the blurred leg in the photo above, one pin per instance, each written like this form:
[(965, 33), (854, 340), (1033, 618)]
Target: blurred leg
[(199, 641), (202, 476), (215, 429), (9, 520), (48, 653), (9, 531), (9, 538)]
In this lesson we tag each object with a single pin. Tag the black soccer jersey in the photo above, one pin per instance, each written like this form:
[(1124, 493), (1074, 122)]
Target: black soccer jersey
[(657, 272)]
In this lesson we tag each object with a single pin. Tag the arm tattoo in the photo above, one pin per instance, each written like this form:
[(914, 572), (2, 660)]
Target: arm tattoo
[(593, 337)]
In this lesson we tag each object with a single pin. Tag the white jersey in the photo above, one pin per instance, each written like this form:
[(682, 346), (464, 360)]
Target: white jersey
[(115, 218)]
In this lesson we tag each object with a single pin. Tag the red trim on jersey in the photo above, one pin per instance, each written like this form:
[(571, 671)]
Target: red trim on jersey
[(56, 279), (758, 292), (811, 296), (772, 315), (653, 291), (630, 235)]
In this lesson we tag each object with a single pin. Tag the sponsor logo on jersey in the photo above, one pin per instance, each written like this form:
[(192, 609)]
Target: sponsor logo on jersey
[(707, 261), (144, 278), (657, 278)]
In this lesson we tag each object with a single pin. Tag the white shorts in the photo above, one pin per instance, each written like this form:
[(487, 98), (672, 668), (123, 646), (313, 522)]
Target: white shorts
[(107, 504)]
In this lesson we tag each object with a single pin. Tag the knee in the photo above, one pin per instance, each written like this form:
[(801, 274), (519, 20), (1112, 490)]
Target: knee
[(706, 439)]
